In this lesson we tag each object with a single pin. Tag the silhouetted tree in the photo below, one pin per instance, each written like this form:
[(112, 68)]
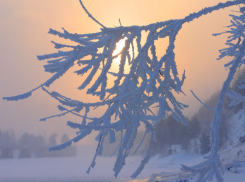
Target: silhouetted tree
[(205, 144), (25, 140), (64, 138), (52, 139)]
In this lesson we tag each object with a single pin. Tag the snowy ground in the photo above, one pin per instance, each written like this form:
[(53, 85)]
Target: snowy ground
[(233, 161), (74, 169)]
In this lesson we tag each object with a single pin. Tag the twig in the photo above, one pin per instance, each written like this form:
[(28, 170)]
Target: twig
[(201, 101), (91, 15)]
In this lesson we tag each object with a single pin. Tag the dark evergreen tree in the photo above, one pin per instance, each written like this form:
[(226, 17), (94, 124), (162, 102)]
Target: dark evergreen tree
[(31, 140), (52, 139), (7, 144), (25, 140), (1, 138), (39, 141), (64, 138), (7, 138), (40, 147), (205, 144), (164, 131), (224, 129), (185, 137), (194, 127), (169, 132), (25, 145)]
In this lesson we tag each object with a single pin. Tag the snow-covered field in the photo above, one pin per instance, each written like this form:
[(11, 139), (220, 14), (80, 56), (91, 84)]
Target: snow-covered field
[(74, 169), (232, 158)]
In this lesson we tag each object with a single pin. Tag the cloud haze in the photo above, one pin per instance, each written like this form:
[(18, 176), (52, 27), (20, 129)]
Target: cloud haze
[(23, 34)]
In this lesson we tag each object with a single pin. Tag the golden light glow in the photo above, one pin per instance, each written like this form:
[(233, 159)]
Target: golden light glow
[(119, 46)]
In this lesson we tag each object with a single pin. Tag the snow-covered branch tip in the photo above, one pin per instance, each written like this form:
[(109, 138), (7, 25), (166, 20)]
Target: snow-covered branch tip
[(91, 15), (201, 101)]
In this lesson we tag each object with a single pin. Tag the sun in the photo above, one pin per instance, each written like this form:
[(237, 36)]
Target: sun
[(119, 46)]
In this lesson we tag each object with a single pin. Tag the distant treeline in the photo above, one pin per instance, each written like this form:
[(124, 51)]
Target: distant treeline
[(194, 138), (172, 136), (31, 146)]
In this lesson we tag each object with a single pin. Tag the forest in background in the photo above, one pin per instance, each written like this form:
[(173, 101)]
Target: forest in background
[(173, 137), (195, 138), (32, 146)]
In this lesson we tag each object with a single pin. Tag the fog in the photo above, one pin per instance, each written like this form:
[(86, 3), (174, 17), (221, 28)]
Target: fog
[(23, 34)]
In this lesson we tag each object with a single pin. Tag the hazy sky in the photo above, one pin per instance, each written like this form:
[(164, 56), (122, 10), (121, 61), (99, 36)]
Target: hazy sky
[(23, 34)]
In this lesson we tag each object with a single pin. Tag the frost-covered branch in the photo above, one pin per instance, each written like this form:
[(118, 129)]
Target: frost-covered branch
[(212, 166), (90, 14), (151, 82)]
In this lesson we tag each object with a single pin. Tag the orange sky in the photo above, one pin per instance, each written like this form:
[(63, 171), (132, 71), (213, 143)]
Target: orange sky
[(23, 34)]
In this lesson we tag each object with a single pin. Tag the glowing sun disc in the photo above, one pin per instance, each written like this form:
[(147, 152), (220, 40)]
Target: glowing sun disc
[(119, 47)]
